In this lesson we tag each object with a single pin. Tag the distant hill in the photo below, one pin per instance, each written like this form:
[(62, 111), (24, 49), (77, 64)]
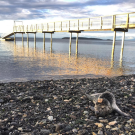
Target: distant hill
[(83, 38)]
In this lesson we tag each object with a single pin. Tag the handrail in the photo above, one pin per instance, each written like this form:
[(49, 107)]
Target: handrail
[(101, 23)]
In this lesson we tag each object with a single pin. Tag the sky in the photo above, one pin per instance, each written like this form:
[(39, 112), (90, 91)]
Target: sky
[(40, 11)]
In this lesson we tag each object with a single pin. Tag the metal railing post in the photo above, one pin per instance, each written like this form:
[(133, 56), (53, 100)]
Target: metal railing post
[(113, 21), (127, 22), (27, 28), (89, 24), (54, 26), (69, 25), (100, 22), (41, 27), (78, 24), (61, 25), (36, 27), (47, 27)]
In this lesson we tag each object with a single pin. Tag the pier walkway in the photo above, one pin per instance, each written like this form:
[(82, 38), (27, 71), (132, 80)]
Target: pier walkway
[(118, 22)]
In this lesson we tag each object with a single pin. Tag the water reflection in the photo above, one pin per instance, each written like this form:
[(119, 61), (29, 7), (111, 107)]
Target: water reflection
[(40, 62)]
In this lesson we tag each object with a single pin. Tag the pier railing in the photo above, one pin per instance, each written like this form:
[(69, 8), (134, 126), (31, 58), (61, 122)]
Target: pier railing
[(126, 20)]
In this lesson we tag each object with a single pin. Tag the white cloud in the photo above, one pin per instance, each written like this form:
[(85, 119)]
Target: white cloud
[(6, 26), (26, 11), (4, 3)]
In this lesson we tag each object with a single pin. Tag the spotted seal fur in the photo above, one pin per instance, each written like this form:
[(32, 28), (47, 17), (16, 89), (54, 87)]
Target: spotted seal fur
[(105, 103)]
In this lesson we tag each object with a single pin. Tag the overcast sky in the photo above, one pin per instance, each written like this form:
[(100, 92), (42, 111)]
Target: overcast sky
[(40, 11)]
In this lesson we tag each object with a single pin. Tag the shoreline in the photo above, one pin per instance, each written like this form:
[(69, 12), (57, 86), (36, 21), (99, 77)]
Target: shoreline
[(58, 107)]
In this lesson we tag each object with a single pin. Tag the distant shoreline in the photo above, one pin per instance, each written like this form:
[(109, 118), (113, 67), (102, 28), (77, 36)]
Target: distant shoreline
[(84, 38)]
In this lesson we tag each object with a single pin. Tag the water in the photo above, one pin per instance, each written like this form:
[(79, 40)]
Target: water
[(18, 62)]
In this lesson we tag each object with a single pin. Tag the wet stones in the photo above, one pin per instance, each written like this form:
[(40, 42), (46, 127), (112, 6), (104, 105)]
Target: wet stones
[(26, 100)]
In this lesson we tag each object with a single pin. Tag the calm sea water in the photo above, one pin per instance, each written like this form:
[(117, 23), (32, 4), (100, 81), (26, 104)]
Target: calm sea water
[(18, 62)]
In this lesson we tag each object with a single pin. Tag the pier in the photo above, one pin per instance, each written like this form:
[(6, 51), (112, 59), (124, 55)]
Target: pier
[(115, 23)]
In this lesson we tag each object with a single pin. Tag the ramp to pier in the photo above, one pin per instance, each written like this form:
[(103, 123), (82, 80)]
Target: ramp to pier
[(6, 35)]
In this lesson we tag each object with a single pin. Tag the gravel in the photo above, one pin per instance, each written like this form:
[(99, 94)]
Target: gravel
[(53, 107)]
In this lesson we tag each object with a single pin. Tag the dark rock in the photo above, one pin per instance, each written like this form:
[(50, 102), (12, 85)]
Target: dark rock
[(67, 128), (1, 101), (82, 132), (35, 132), (16, 132), (5, 133), (37, 97), (108, 133), (59, 127), (44, 132), (26, 99), (13, 123)]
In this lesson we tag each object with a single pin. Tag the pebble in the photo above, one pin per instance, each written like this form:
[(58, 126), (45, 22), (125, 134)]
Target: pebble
[(44, 132), (59, 127), (108, 133), (107, 126), (82, 132), (116, 128), (104, 121), (112, 123), (85, 112), (99, 125), (42, 121), (74, 130), (1, 101), (50, 118), (100, 132), (20, 129), (93, 133), (46, 100)]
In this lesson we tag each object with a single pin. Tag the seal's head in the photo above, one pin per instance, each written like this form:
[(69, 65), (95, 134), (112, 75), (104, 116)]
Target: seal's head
[(103, 107)]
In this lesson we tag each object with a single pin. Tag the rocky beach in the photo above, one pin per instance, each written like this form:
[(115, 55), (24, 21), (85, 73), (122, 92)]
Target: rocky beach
[(57, 107)]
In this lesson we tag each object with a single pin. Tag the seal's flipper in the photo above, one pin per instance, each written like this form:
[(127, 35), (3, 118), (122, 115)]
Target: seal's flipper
[(117, 109)]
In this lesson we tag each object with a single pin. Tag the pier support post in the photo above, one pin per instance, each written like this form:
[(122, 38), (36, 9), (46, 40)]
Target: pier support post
[(51, 43), (113, 48), (28, 39), (122, 46), (44, 41), (14, 38), (77, 44), (70, 41), (22, 39), (35, 40)]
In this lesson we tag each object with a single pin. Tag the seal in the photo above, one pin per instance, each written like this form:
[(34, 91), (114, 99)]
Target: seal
[(105, 103)]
